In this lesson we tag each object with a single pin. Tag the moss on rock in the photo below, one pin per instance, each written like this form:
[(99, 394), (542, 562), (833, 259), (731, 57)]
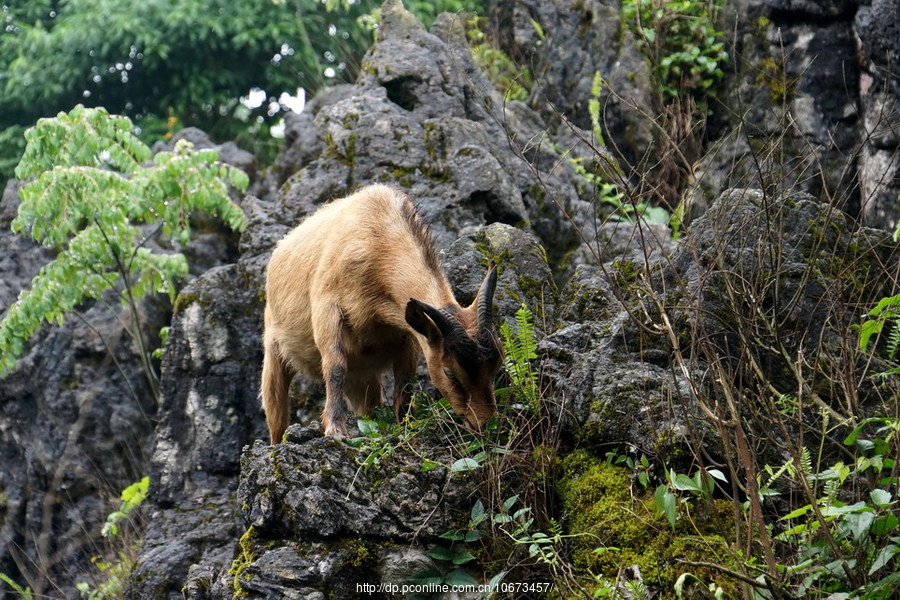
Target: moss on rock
[(616, 526)]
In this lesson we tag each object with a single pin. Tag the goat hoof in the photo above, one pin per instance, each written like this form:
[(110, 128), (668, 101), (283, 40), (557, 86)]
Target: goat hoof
[(337, 431)]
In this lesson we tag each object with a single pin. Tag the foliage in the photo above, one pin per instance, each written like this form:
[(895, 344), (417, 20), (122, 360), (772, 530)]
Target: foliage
[(520, 347), (132, 497), (90, 195), (513, 81), (679, 37), (24, 593), (427, 10), (885, 313), (618, 526), (701, 484), (192, 57), (115, 573), (842, 545)]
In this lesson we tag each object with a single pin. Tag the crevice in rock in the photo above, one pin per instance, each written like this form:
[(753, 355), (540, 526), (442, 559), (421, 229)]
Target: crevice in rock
[(401, 91)]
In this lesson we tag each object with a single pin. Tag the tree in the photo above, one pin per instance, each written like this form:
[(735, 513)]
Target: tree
[(90, 198), (192, 59)]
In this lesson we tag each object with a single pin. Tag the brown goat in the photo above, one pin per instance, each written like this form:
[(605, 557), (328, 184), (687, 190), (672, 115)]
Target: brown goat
[(355, 291)]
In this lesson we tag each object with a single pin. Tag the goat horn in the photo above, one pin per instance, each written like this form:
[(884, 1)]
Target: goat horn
[(486, 300), (446, 324)]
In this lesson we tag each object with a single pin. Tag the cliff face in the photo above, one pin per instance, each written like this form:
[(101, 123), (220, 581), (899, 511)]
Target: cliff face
[(493, 178)]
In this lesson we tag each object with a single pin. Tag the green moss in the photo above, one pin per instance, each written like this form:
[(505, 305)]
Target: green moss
[(435, 144), (246, 556), (184, 300), (771, 74), (625, 272), (602, 510), (403, 177)]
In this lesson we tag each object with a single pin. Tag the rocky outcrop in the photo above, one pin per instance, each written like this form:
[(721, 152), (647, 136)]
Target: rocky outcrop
[(312, 517), (877, 26), (78, 413), (421, 117)]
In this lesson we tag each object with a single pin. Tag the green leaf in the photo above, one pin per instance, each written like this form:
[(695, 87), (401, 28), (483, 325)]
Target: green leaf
[(461, 558), (665, 504), (459, 577), (837, 509), (368, 427), (441, 553), (464, 464), (477, 514), (859, 524), (884, 524), (880, 498), (454, 535), (429, 576), (683, 483), (797, 513), (136, 493), (885, 555), (472, 536), (718, 475)]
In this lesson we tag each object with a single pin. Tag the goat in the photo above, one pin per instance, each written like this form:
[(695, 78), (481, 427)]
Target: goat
[(356, 290)]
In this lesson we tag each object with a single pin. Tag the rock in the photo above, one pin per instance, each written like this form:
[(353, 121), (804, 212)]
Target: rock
[(613, 351), (877, 26), (320, 523), (789, 127), (76, 425), (209, 410), (423, 118), (576, 40)]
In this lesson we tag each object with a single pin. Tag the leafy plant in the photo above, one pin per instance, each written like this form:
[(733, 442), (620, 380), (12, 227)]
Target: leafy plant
[(91, 193), (845, 541), (453, 555), (24, 593), (679, 37), (700, 485), (115, 572), (885, 314), (509, 78), (609, 194), (132, 497), (520, 348)]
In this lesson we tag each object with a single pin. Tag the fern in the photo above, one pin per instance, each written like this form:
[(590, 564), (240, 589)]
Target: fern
[(806, 462), (893, 341), (520, 349), (24, 593)]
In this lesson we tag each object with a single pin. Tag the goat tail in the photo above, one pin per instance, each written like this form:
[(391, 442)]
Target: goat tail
[(274, 392)]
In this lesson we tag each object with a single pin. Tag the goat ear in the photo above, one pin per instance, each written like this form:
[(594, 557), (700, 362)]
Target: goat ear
[(418, 320)]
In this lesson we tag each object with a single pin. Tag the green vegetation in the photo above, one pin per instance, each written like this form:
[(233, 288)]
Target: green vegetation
[(519, 348), (679, 38), (116, 571), (24, 593), (163, 62), (619, 526), (91, 193), (513, 81)]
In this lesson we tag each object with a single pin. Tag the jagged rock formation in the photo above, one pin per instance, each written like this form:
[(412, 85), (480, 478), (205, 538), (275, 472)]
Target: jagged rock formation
[(491, 178), (421, 117)]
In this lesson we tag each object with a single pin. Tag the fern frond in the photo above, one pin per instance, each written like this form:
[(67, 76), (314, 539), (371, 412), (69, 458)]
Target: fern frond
[(893, 340), (806, 462)]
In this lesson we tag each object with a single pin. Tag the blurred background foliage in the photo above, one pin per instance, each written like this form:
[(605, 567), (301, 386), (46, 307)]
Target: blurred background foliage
[(173, 63)]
